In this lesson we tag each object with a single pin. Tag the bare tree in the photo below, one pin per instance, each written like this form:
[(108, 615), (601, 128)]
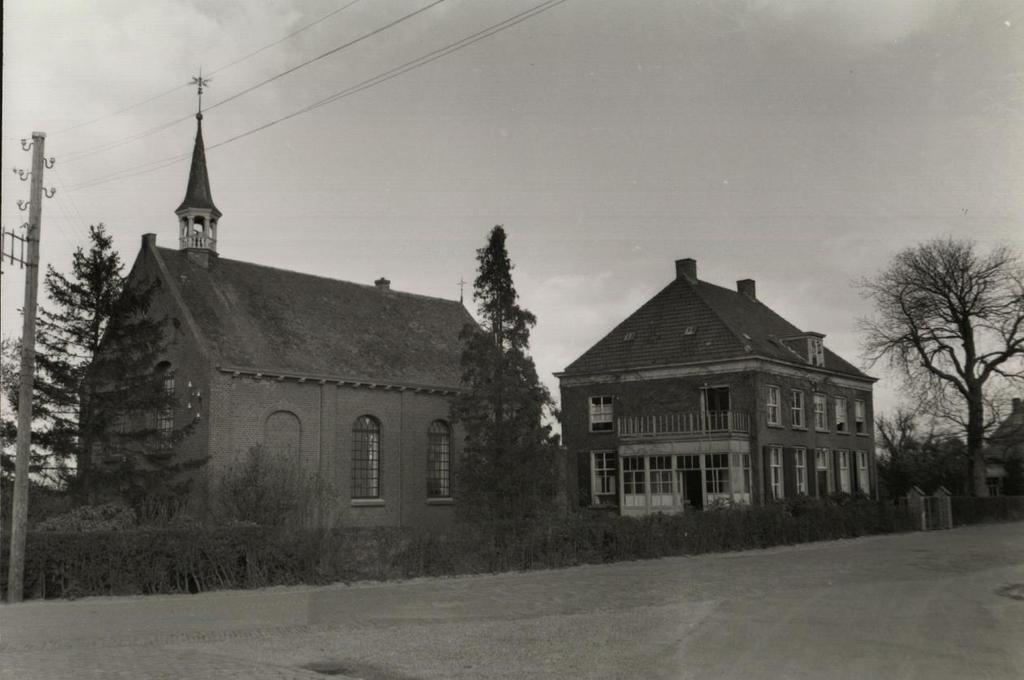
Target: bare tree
[(949, 319)]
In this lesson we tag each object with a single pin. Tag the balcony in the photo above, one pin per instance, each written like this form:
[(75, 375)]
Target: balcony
[(685, 424)]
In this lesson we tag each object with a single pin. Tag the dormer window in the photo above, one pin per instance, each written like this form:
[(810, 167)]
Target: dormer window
[(815, 351)]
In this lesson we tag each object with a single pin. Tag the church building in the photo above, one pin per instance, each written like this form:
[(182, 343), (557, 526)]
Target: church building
[(351, 382)]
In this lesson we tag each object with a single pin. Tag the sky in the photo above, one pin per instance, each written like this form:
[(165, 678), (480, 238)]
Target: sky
[(801, 144)]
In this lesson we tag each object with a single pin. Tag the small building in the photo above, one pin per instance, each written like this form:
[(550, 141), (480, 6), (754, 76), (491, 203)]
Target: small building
[(350, 382), (1006, 444), (705, 396)]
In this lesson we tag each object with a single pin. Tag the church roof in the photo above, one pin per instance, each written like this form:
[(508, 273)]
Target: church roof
[(695, 322), (278, 321), (197, 193)]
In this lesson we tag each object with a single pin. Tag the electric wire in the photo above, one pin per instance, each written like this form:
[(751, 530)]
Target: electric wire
[(216, 70), (366, 84), (78, 155)]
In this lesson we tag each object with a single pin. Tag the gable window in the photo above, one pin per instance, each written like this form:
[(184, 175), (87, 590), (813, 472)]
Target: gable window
[(366, 457), (775, 466), (844, 471), (859, 424), (841, 425), (772, 405), (863, 484), (801, 470), (820, 417), (601, 414), (602, 482), (823, 467), (439, 458), (796, 409), (816, 351)]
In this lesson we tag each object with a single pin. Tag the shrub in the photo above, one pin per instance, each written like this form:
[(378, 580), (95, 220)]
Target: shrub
[(91, 518)]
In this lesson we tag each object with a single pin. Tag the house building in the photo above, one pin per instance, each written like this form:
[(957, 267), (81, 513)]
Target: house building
[(705, 396), (1006, 444), (352, 382)]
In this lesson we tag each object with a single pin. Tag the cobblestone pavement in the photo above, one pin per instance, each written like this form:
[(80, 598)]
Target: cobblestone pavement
[(925, 605)]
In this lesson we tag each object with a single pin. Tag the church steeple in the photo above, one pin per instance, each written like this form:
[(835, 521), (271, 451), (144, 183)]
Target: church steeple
[(197, 215)]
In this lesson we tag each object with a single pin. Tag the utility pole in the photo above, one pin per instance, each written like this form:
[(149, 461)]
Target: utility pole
[(19, 509)]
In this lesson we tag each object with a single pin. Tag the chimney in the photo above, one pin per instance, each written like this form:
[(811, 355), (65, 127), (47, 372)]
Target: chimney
[(148, 240), (687, 268), (1016, 405), (748, 288), (382, 284)]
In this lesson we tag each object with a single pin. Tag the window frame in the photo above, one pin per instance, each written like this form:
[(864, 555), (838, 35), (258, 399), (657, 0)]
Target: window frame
[(820, 415), (439, 460), (844, 470), (773, 408), (776, 477), (603, 472), (842, 422), (366, 481), (863, 474), (605, 407), (824, 454), (800, 461), (797, 410), (860, 416)]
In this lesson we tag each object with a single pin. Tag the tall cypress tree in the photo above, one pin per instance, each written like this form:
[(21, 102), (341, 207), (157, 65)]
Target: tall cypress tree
[(509, 470)]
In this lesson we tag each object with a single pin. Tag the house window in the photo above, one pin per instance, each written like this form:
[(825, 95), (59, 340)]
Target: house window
[(859, 425), (366, 458), (841, 425), (863, 484), (741, 473), (823, 467), (716, 473), (801, 470), (796, 408), (602, 466), (772, 404), (661, 481), (775, 467), (820, 418), (715, 408), (439, 458), (601, 414), (816, 351), (844, 471), (165, 413), (633, 481)]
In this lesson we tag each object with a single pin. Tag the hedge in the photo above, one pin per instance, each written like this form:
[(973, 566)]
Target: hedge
[(971, 510), (196, 559)]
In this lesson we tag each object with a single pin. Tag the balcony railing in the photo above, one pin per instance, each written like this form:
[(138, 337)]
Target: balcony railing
[(711, 422)]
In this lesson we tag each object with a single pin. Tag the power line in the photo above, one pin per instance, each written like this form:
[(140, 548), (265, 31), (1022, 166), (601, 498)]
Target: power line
[(216, 70), (78, 155), (366, 84)]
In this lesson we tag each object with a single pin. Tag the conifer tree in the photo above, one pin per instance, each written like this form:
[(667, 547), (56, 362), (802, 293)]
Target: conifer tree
[(509, 471), (96, 388)]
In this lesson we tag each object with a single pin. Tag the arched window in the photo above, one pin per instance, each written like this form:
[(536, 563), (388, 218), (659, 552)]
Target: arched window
[(439, 445), (366, 458), (165, 410), (282, 434)]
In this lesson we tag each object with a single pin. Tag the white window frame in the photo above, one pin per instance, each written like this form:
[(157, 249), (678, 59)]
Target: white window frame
[(863, 478), (603, 475), (776, 476), (815, 351), (796, 411), (800, 458), (844, 470), (859, 416), (820, 412), (773, 411), (658, 475), (634, 481), (841, 414), (717, 482), (602, 413)]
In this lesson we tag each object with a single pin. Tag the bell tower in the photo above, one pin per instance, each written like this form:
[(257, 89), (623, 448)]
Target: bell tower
[(197, 215)]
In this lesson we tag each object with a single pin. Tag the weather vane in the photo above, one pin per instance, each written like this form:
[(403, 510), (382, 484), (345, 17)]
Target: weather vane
[(200, 82)]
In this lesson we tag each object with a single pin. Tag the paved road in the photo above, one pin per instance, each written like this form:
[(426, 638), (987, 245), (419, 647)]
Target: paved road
[(927, 605)]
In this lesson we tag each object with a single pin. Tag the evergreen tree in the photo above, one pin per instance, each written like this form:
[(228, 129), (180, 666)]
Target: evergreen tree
[(97, 390), (509, 470)]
